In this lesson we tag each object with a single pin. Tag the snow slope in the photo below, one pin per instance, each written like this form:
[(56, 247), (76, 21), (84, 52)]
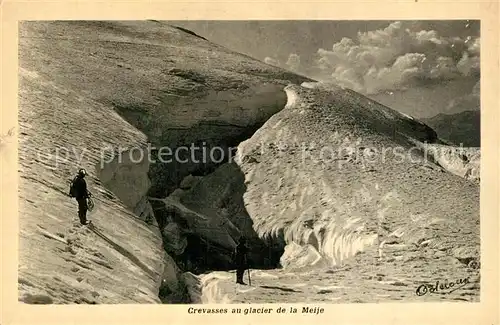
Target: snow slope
[(59, 261)]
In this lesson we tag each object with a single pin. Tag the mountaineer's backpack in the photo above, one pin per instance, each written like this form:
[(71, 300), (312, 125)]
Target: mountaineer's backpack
[(72, 193), (72, 188)]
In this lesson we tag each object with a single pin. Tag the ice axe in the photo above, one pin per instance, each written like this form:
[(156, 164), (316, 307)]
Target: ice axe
[(249, 279)]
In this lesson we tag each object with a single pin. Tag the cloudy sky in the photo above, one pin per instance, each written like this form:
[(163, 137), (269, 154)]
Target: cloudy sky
[(419, 67)]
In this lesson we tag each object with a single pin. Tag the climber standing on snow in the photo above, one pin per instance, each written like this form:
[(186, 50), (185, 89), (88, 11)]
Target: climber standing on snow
[(240, 259), (79, 191)]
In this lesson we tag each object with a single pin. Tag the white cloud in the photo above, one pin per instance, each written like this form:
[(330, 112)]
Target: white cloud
[(396, 57), (469, 102), (468, 65), (293, 62), (474, 45)]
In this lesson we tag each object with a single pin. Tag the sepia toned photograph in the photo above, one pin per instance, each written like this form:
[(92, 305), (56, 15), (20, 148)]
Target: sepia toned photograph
[(249, 162)]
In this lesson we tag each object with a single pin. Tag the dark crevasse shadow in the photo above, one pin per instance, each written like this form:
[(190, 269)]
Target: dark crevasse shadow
[(200, 230), (218, 197), (196, 247), (214, 145)]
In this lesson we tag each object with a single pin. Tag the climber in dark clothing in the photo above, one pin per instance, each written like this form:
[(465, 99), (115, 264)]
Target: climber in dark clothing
[(79, 191), (240, 260)]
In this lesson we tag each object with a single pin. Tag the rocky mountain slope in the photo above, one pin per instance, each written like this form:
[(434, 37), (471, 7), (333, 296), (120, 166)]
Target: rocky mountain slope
[(99, 95)]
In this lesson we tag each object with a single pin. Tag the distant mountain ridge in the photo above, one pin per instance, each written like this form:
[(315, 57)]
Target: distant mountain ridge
[(460, 128)]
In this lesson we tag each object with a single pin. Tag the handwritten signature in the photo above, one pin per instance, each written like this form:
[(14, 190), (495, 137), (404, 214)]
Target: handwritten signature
[(442, 287)]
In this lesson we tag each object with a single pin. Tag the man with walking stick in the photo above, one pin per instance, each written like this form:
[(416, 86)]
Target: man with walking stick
[(241, 261)]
